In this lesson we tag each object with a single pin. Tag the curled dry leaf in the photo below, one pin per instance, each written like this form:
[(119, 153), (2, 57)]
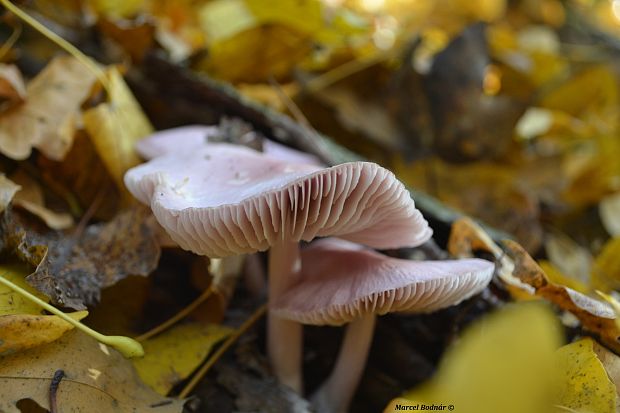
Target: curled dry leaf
[(22, 324), (48, 119), (97, 379), (72, 270), (30, 197), (8, 189), (595, 316), (12, 88)]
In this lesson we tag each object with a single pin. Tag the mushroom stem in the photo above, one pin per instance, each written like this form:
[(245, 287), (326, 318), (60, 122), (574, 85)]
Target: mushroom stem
[(284, 337), (335, 394)]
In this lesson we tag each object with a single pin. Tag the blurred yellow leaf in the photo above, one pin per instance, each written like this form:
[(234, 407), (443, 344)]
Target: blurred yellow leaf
[(503, 363), (115, 126), (117, 8), (173, 355), (609, 211), (606, 267), (257, 54), (555, 275), (221, 19), (584, 385)]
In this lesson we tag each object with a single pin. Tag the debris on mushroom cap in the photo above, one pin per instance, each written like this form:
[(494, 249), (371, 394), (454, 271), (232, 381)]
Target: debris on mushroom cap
[(341, 281), (192, 137), (223, 200)]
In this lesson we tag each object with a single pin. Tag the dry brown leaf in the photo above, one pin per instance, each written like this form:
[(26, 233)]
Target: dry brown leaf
[(72, 270), (30, 197), (97, 379), (606, 267), (595, 316), (48, 119), (12, 88), (7, 191)]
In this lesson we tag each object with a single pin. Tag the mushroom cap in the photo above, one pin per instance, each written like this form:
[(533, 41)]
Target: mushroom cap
[(192, 137), (222, 199), (341, 281)]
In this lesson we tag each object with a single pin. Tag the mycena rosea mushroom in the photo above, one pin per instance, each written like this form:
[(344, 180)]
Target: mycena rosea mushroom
[(342, 282), (221, 200)]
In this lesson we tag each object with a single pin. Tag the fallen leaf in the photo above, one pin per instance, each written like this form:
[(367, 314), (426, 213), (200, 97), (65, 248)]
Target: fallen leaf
[(503, 363), (22, 324), (606, 267), (24, 331), (115, 127), (595, 316), (584, 385), (569, 257), (12, 88), (72, 270), (82, 190), (611, 362), (97, 379), (173, 355), (12, 302), (30, 197), (8, 189), (48, 118), (609, 211)]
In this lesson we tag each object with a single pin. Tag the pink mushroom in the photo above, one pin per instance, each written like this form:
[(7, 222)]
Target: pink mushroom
[(342, 282), (192, 137), (220, 200)]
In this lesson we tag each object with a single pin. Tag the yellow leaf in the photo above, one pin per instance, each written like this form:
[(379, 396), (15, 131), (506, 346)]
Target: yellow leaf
[(504, 363), (22, 325), (221, 19), (98, 379), (116, 126), (257, 54), (23, 331), (558, 277), (175, 354), (12, 302), (609, 211), (584, 385), (606, 267), (117, 8)]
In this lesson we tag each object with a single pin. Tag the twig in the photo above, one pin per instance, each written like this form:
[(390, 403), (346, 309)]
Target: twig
[(58, 375), (178, 316), (17, 31), (222, 349)]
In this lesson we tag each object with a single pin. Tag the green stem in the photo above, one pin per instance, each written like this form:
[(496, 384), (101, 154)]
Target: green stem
[(125, 345)]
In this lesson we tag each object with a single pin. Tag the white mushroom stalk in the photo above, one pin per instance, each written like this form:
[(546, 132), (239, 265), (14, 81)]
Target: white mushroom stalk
[(342, 282)]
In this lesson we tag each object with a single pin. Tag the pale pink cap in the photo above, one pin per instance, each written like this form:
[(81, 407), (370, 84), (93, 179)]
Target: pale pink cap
[(223, 199), (342, 281), (193, 137)]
